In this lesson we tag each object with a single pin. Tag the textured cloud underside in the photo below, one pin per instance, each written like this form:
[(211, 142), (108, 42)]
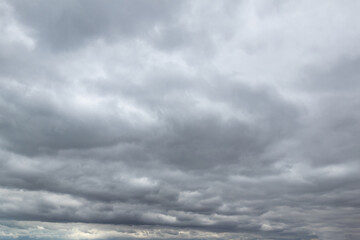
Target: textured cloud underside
[(179, 119)]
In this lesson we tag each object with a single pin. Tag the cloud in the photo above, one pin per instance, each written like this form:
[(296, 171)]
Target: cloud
[(70, 24), (181, 120)]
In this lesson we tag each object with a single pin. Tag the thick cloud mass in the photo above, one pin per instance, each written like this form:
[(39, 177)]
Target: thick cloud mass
[(179, 120)]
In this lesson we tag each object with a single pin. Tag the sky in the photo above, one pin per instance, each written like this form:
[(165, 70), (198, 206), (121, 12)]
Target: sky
[(216, 120)]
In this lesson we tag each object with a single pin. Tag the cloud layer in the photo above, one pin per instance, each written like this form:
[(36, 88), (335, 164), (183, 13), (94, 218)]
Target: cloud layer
[(182, 119)]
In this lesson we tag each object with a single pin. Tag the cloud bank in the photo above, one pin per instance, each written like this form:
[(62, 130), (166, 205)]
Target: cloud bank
[(179, 120)]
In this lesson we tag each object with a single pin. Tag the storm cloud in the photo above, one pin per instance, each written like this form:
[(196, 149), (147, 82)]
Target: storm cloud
[(179, 120)]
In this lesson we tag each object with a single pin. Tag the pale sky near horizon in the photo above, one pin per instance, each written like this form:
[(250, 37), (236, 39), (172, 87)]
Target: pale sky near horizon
[(138, 119)]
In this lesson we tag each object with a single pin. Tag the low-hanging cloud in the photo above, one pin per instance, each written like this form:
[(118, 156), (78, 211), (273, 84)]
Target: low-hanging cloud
[(179, 120)]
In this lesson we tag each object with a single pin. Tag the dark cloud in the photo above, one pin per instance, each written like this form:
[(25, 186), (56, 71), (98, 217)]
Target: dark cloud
[(70, 24), (178, 120)]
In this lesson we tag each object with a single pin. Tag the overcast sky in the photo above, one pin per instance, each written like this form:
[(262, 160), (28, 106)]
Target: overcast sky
[(138, 119)]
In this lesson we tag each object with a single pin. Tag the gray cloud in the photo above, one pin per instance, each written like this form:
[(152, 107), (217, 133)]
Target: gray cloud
[(68, 24), (179, 120)]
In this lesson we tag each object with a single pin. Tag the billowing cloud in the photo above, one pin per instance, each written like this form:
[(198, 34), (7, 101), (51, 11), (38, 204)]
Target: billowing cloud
[(179, 120)]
